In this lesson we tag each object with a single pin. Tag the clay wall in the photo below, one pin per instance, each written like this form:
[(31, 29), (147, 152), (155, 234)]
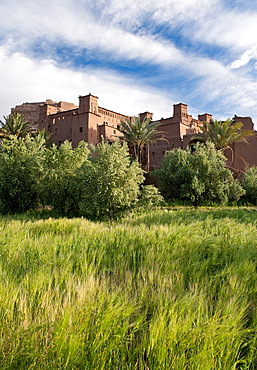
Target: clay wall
[(29, 110), (110, 118), (90, 123), (64, 106), (60, 125), (205, 117), (247, 122), (108, 133)]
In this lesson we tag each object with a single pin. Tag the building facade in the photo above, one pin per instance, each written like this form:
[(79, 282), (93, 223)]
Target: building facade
[(87, 122), (91, 123)]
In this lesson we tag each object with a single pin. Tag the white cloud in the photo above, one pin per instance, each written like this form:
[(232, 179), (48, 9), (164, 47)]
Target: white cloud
[(245, 58), (117, 30), (27, 80), (230, 28), (60, 22)]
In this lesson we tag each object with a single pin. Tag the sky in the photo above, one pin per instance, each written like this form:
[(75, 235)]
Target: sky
[(135, 55)]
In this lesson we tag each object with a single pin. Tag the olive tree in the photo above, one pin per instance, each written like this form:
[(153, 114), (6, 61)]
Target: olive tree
[(20, 161), (107, 186), (198, 177), (58, 168)]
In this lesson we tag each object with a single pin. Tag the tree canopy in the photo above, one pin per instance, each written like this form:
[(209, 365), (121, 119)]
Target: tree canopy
[(15, 124), (199, 177), (224, 133)]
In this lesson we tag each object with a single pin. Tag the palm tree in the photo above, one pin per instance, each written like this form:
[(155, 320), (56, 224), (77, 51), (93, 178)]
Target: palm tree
[(224, 133), (139, 134), (15, 124)]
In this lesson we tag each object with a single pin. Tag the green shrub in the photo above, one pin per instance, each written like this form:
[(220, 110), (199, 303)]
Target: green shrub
[(58, 168), (19, 173), (149, 197), (199, 177), (249, 183), (107, 186)]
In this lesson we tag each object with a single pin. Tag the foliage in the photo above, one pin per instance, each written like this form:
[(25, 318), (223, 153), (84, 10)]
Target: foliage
[(46, 135), (15, 124), (224, 133), (19, 173), (160, 290), (138, 134), (108, 185), (199, 177), (249, 183), (149, 197), (58, 168)]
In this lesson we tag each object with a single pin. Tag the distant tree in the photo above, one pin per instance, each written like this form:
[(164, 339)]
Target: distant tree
[(198, 177), (15, 124), (107, 186), (139, 134)]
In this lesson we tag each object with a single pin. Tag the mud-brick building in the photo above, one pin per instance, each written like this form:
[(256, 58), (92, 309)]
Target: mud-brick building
[(244, 155), (87, 122), (91, 123), (179, 131), (31, 110)]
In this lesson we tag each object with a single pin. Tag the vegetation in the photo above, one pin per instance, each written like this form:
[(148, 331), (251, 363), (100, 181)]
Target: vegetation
[(162, 290), (249, 183), (139, 134), (150, 197), (58, 168), (224, 133), (20, 162), (199, 177), (166, 289), (99, 184), (15, 124), (107, 185)]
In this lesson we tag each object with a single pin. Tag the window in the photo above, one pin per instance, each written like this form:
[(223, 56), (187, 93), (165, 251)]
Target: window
[(81, 129)]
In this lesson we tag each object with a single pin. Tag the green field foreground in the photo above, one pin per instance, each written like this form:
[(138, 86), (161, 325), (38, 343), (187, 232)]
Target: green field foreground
[(167, 289)]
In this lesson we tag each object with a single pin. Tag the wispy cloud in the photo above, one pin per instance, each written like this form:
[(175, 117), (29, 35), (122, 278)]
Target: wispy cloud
[(245, 58), (196, 47), (29, 80)]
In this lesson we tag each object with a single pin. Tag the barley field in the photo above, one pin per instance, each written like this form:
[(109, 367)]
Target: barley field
[(167, 289)]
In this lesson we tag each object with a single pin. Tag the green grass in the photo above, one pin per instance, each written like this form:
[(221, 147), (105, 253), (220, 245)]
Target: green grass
[(167, 289)]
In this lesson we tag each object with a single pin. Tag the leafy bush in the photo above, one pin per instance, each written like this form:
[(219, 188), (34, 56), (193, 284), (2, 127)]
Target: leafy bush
[(19, 173), (199, 177), (58, 168), (108, 185), (249, 183), (149, 197)]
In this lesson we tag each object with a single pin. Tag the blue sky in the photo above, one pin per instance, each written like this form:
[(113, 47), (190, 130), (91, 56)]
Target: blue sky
[(134, 55)]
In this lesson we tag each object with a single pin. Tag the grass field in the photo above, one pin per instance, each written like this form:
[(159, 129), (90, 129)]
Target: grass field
[(167, 289)]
